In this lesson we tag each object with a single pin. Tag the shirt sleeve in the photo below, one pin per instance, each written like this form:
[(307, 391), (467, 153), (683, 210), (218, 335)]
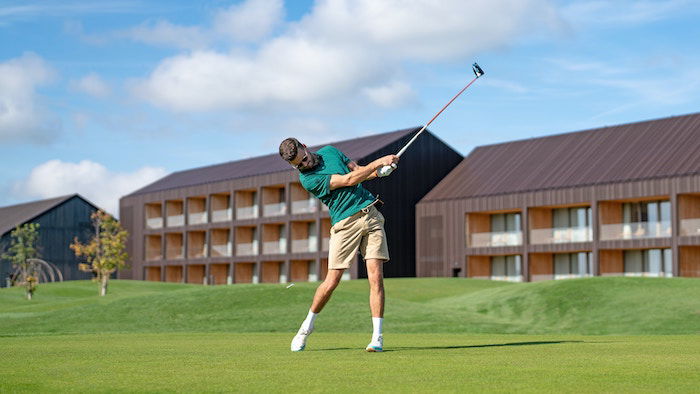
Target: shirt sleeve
[(318, 185), (341, 155)]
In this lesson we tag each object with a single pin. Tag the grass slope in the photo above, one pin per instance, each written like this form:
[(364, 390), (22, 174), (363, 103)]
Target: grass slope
[(262, 362), (613, 305)]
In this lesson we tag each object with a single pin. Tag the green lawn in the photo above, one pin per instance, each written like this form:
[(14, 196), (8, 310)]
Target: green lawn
[(335, 362), (441, 334)]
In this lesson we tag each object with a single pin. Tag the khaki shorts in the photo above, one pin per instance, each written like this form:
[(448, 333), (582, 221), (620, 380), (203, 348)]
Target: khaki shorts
[(361, 231)]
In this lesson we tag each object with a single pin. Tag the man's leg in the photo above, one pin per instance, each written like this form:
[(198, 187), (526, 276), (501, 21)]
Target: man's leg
[(323, 294), (375, 276)]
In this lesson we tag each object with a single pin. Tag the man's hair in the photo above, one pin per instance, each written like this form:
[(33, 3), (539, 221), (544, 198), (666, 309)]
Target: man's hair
[(289, 148)]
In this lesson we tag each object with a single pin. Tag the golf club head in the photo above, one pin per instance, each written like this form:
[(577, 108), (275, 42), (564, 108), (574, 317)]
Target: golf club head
[(477, 70)]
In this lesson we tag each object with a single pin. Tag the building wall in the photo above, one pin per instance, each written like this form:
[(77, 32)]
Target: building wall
[(57, 229), (450, 251), (421, 167)]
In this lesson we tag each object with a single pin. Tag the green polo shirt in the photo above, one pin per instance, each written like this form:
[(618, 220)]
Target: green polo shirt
[(342, 202)]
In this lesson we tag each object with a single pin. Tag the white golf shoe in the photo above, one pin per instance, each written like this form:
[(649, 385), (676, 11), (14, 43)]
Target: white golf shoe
[(377, 345), (299, 341)]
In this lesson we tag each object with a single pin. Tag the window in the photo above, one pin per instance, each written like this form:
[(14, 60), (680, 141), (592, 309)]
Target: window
[(505, 222), (572, 265), (647, 219), (506, 268), (649, 262), (571, 217)]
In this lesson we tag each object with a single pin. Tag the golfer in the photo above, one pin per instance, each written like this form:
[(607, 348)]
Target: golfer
[(356, 224)]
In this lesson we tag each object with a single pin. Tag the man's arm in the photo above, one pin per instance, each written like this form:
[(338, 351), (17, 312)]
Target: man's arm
[(360, 173)]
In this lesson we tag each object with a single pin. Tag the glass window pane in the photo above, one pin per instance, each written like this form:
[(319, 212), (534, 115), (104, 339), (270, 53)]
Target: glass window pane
[(627, 212), (560, 217), (654, 263), (498, 266), (498, 223), (561, 264), (633, 261), (653, 212), (668, 262), (665, 211)]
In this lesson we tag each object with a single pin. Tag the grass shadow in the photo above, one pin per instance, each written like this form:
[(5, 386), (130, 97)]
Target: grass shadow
[(405, 348)]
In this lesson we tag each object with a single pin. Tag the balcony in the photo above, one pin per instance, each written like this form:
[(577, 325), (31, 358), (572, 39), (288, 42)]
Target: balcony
[(220, 243), (246, 204), (174, 246), (304, 206), (304, 245), (221, 215), (560, 235), (154, 223), (690, 226), (247, 212), (275, 247), (223, 250), (197, 218), (505, 238), (635, 230), (154, 247), (196, 245), (275, 209), (221, 208), (175, 214), (154, 216), (196, 210), (247, 249)]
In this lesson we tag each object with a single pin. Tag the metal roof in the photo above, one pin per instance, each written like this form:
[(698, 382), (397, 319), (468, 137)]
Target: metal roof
[(16, 215), (667, 147), (356, 149)]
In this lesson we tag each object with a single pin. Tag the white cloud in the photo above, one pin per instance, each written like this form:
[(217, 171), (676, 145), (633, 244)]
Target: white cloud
[(23, 118), (251, 20), (627, 12), (93, 85), (390, 95), (342, 50), (92, 180), (164, 33)]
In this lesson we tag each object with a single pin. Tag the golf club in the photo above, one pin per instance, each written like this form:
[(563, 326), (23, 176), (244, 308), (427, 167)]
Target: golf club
[(386, 170)]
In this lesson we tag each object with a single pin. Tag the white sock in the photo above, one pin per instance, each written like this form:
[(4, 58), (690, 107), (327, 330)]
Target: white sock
[(377, 324), (308, 323)]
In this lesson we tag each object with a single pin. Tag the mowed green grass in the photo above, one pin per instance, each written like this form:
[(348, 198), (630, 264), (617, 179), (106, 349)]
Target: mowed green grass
[(587, 335), (449, 305), (335, 362)]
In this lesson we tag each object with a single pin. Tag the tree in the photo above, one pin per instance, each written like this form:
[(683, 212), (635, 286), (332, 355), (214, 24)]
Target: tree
[(22, 252), (105, 252)]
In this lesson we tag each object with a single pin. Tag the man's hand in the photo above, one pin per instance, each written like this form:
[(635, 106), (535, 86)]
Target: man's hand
[(387, 165)]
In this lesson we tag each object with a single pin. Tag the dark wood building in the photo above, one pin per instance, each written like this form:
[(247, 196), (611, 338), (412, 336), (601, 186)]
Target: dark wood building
[(60, 220), (620, 200), (251, 221)]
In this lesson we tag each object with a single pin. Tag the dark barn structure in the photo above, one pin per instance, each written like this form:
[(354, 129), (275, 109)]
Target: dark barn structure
[(60, 220), (250, 221), (619, 200)]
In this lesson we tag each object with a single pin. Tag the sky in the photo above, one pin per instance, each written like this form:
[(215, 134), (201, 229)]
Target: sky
[(103, 98)]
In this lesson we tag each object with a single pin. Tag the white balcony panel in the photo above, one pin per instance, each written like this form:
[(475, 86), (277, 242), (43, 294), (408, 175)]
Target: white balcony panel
[(304, 245), (223, 250), (635, 230), (274, 247), (506, 238), (221, 215), (561, 235), (304, 206), (247, 212), (276, 209), (176, 220), (197, 218), (154, 223), (690, 227), (247, 249)]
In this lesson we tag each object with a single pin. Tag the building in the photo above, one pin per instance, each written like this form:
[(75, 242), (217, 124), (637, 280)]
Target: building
[(620, 200), (250, 221), (60, 220)]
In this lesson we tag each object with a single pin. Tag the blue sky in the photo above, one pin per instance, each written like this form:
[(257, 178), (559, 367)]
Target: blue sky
[(101, 98)]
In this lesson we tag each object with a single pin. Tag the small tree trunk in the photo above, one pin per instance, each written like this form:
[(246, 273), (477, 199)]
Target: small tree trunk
[(29, 295), (103, 285)]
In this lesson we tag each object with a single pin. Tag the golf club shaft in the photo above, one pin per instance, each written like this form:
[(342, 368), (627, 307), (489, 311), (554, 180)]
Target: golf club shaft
[(436, 115)]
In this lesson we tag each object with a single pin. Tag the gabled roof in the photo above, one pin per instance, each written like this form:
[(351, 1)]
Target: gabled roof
[(666, 147), (355, 149), (16, 215)]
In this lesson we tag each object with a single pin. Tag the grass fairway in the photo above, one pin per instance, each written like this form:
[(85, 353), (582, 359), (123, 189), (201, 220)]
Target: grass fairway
[(441, 334), (260, 362)]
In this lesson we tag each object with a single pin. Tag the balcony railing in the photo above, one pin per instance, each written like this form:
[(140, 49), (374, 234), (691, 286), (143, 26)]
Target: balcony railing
[(304, 206), (325, 243), (635, 230), (197, 252), (153, 255), (176, 220), (222, 250), (250, 212), (304, 245), (505, 238), (197, 218), (276, 209), (274, 247), (154, 223), (561, 235), (690, 226), (247, 249), (175, 253), (508, 278), (221, 215)]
